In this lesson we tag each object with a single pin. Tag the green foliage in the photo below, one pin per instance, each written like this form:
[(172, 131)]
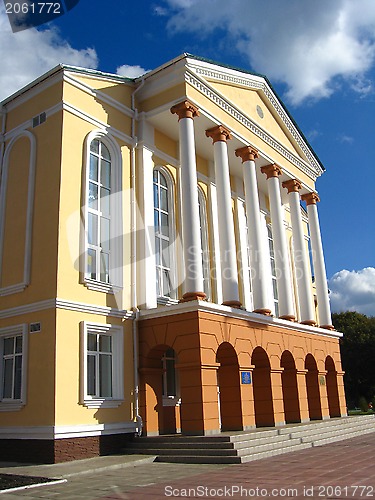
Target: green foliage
[(357, 354), (362, 403)]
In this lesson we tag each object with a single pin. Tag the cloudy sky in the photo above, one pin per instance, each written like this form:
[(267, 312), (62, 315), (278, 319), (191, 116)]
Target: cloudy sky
[(319, 55)]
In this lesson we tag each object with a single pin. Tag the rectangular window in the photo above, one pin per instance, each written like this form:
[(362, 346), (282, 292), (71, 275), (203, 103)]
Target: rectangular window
[(12, 370), (102, 375)]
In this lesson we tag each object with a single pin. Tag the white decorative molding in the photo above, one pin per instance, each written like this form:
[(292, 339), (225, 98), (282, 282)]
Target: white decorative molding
[(68, 305), (18, 287), (254, 318), (313, 170), (49, 432)]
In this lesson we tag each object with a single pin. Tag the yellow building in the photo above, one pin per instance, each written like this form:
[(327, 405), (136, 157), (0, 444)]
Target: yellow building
[(154, 262)]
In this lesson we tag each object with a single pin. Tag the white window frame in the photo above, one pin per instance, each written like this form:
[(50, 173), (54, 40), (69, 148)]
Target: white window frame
[(203, 222), (116, 332), (116, 217), (13, 331), (165, 299)]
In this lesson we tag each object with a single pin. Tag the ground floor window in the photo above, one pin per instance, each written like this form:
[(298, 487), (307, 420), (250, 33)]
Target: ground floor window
[(12, 367), (103, 365)]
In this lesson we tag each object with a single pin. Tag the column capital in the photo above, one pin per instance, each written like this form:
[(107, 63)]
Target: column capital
[(292, 185), (185, 109), (248, 153), (310, 198), (271, 170), (219, 133)]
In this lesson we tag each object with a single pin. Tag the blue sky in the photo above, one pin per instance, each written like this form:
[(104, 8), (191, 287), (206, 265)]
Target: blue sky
[(318, 55)]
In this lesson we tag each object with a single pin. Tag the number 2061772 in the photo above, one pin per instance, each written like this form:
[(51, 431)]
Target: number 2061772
[(33, 8)]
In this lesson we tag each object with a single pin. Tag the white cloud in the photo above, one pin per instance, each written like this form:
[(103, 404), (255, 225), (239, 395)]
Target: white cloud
[(27, 54), (130, 71), (353, 291), (345, 139), (311, 45)]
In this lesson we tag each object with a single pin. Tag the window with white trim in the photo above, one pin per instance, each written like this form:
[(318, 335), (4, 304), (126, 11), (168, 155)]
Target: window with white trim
[(13, 348), (103, 214), (163, 206), (103, 365), (273, 270), (204, 242)]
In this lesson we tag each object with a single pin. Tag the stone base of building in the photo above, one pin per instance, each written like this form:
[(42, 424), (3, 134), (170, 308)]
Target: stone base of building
[(61, 450)]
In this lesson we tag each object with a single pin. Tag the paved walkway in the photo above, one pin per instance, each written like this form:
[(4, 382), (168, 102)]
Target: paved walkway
[(340, 470)]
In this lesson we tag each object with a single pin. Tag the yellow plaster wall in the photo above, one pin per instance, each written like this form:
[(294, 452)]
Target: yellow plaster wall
[(25, 111), (168, 96), (40, 359), (166, 144), (69, 411), (45, 216), (96, 108), (119, 91)]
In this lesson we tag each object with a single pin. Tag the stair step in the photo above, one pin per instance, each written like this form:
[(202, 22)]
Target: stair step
[(239, 447)]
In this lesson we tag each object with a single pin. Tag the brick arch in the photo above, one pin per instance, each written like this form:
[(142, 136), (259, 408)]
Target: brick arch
[(263, 403), (228, 380), (332, 388), (290, 388), (312, 386)]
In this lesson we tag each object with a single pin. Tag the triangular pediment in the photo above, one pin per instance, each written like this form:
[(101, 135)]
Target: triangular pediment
[(253, 101)]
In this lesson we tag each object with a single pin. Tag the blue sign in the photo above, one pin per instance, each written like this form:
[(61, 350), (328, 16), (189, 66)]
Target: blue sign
[(245, 378)]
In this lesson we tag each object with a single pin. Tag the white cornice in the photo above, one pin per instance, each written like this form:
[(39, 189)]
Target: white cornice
[(65, 304), (209, 307)]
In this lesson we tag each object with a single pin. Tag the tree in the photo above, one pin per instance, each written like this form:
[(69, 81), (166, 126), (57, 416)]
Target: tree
[(357, 354)]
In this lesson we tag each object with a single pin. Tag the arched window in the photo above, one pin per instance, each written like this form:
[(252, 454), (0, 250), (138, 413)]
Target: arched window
[(103, 205), (273, 270), (163, 216), (204, 241)]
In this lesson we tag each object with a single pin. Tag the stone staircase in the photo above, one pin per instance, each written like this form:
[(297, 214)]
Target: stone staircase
[(241, 447)]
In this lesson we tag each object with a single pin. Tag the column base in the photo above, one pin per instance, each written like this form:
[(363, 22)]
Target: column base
[(232, 303), (309, 322), (265, 312), (327, 327), (288, 317), (189, 296)]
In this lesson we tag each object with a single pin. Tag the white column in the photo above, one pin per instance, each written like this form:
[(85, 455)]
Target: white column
[(215, 245), (303, 276), (284, 283), (258, 267), (219, 136), (147, 297), (192, 246), (324, 309)]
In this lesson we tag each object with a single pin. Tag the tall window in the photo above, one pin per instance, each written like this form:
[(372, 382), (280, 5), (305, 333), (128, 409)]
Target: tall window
[(163, 236), (204, 242), (273, 271), (170, 384), (99, 365), (98, 212), (12, 367), (103, 365)]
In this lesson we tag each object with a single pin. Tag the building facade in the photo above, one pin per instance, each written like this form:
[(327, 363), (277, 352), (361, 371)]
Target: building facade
[(155, 271)]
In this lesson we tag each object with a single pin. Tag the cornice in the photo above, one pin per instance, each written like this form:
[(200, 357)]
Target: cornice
[(192, 76), (68, 305)]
